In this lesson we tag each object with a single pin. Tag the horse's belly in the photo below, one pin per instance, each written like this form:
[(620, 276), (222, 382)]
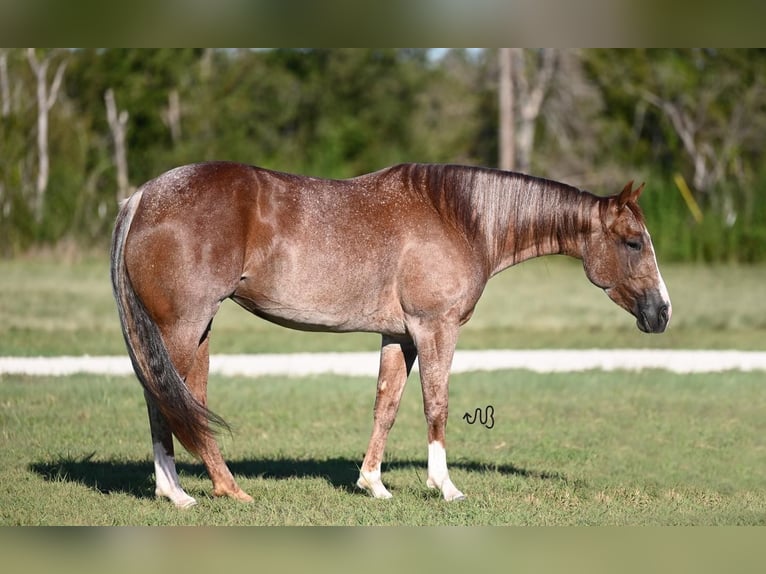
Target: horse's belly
[(334, 308)]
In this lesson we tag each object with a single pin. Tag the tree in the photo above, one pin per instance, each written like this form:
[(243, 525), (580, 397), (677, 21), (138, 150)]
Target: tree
[(507, 117), (5, 92), (524, 80), (590, 117), (46, 97), (710, 109), (446, 123), (574, 133), (118, 119), (532, 88)]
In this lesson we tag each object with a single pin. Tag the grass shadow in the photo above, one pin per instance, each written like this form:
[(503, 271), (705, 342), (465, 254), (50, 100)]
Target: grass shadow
[(135, 477), (106, 477)]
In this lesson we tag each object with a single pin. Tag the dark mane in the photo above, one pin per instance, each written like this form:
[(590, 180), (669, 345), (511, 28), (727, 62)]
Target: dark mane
[(488, 204)]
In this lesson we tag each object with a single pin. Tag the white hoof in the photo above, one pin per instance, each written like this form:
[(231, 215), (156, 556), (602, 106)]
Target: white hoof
[(179, 498), (449, 490), (186, 502), (457, 495), (371, 482)]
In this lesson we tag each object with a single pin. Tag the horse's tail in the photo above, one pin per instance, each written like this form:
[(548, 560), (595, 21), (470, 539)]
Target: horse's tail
[(189, 420)]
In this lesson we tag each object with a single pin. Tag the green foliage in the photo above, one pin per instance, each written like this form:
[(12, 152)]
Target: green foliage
[(739, 236), (700, 113), (341, 112)]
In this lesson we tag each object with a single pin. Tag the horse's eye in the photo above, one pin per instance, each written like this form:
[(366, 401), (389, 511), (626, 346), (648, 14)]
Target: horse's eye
[(634, 245)]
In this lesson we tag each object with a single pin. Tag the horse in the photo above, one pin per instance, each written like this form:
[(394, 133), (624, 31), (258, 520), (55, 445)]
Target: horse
[(404, 252)]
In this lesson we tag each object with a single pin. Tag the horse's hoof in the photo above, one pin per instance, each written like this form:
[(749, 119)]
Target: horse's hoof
[(184, 503), (238, 494), (178, 497), (242, 496), (375, 490)]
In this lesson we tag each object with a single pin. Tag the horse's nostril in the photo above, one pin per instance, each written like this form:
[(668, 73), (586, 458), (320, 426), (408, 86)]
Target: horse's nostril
[(664, 314)]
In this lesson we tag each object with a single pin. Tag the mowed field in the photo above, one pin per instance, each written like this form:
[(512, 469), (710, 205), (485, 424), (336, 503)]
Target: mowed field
[(589, 448), (592, 448)]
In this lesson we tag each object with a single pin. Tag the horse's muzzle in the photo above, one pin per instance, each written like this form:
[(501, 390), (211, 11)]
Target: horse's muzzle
[(653, 313)]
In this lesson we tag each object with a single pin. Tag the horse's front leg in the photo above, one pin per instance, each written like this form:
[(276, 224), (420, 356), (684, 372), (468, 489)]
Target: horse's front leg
[(396, 359), (436, 349)]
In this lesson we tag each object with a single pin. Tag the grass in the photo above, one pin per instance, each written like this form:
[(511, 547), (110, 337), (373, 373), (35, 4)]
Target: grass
[(53, 308), (649, 448)]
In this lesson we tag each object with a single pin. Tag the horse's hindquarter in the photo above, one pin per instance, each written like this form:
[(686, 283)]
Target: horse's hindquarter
[(353, 255), (187, 240)]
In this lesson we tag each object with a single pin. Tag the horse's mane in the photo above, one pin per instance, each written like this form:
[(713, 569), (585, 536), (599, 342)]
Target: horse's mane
[(489, 204)]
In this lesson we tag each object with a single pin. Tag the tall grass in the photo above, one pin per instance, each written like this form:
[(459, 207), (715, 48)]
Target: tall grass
[(732, 228)]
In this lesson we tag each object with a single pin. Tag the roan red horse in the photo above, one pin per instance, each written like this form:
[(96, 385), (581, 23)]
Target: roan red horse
[(404, 252)]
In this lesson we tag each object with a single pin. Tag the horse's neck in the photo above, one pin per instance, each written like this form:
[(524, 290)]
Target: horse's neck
[(550, 220), (508, 217)]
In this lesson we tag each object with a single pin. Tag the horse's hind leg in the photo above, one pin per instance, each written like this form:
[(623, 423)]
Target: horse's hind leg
[(396, 359), (188, 345), (196, 379), (166, 477)]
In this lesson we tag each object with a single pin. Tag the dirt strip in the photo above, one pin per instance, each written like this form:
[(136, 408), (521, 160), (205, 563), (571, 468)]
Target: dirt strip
[(366, 363)]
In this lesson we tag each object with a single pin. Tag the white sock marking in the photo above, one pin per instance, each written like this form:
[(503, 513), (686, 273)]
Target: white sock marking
[(371, 482), (166, 476), (438, 476)]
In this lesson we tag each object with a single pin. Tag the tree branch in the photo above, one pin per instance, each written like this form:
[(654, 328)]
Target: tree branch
[(56, 85), (5, 91), (45, 101)]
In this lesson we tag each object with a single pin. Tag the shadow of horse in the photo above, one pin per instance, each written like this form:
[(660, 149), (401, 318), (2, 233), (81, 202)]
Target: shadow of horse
[(136, 479)]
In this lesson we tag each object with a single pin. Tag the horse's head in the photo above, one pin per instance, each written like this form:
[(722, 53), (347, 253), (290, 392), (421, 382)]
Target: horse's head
[(618, 256)]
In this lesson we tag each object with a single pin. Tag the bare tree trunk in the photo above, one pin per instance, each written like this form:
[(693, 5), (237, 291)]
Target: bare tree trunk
[(172, 115), (117, 121), (507, 120), (206, 64), (531, 94), (46, 97), (5, 96), (700, 154), (5, 89)]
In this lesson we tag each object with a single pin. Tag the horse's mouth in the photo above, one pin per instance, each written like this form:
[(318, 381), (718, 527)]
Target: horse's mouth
[(651, 310), (653, 318)]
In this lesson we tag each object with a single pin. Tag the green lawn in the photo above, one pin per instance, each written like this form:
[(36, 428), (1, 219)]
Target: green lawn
[(51, 308), (567, 449)]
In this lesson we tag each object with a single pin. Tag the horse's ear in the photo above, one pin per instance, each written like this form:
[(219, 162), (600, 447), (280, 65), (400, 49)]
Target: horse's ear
[(628, 194)]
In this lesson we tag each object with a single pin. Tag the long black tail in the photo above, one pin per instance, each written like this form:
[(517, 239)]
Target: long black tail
[(190, 421)]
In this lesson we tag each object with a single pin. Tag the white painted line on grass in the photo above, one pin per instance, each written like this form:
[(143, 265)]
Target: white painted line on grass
[(366, 363)]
